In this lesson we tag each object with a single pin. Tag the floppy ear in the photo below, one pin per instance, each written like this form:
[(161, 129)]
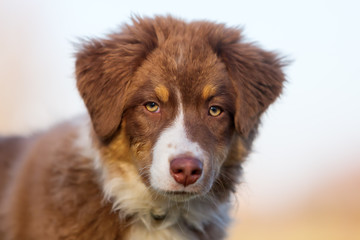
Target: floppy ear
[(104, 69), (256, 75)]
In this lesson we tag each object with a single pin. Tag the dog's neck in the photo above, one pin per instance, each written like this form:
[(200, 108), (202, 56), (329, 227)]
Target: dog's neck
[(148, 215), (133, 200)]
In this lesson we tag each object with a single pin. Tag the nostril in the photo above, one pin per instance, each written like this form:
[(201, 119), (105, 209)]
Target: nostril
[(196, 172), (186, 170), (178, 170)]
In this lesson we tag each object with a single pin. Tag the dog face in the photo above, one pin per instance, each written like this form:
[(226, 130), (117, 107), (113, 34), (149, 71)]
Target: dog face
[(182, 117), (180, 102)]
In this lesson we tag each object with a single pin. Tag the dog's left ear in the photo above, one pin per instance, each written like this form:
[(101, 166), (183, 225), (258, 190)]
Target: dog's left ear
[(256, 74), (104, 69)]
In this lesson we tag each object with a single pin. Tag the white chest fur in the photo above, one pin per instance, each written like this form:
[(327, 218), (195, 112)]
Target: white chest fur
[(131, 198)]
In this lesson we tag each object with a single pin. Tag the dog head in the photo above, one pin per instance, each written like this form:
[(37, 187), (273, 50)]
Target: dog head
[(179, 101)]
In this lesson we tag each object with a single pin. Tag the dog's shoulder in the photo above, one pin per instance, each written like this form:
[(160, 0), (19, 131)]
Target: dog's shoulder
[(10, 150), (69, 204)]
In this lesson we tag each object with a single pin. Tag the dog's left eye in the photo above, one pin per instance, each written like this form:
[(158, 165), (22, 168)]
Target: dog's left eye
[(215, 111), (152, 107)]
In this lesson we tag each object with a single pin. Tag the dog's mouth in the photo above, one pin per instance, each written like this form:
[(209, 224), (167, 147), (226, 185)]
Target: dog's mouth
[(179, 196)]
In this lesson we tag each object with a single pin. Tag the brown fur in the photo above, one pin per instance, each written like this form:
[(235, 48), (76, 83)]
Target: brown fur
[(53, 191)]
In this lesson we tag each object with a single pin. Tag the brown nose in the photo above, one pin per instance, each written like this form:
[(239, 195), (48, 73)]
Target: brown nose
[(186, 170)]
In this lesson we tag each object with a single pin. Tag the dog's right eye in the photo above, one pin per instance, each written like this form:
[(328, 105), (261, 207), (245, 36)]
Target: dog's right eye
[(152, 107), (215, 111)]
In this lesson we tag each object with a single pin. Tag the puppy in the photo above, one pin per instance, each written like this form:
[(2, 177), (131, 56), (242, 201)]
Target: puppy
[(173, 111)]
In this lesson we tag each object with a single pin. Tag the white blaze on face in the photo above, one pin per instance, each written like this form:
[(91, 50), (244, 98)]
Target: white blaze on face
[(173, 142)]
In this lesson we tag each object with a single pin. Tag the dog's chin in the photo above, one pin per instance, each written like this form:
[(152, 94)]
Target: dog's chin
[(179, 196)]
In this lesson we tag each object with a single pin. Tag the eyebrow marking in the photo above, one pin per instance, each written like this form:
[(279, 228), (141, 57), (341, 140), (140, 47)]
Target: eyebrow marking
[(208, 91), (162, 93)]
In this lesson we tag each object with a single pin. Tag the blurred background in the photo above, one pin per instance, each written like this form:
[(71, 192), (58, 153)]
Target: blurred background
[(303, 179)]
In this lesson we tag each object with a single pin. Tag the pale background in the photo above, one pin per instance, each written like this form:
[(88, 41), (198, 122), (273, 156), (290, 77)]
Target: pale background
[(303, 179)]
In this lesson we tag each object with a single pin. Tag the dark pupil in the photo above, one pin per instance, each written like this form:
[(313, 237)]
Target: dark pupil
[(213, 109), (152, 104)]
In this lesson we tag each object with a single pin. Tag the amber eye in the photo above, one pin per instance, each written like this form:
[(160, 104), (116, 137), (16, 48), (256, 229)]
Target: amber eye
[(152, 107), (215, 111)]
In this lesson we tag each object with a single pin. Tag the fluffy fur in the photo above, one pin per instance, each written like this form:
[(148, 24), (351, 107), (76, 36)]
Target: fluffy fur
[(107, 176)]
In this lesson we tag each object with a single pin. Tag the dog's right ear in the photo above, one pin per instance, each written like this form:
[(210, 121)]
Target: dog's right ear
[(103, 95), (104, 69)]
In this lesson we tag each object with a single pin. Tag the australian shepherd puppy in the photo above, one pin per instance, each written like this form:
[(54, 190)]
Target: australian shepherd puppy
[(173, 110)]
